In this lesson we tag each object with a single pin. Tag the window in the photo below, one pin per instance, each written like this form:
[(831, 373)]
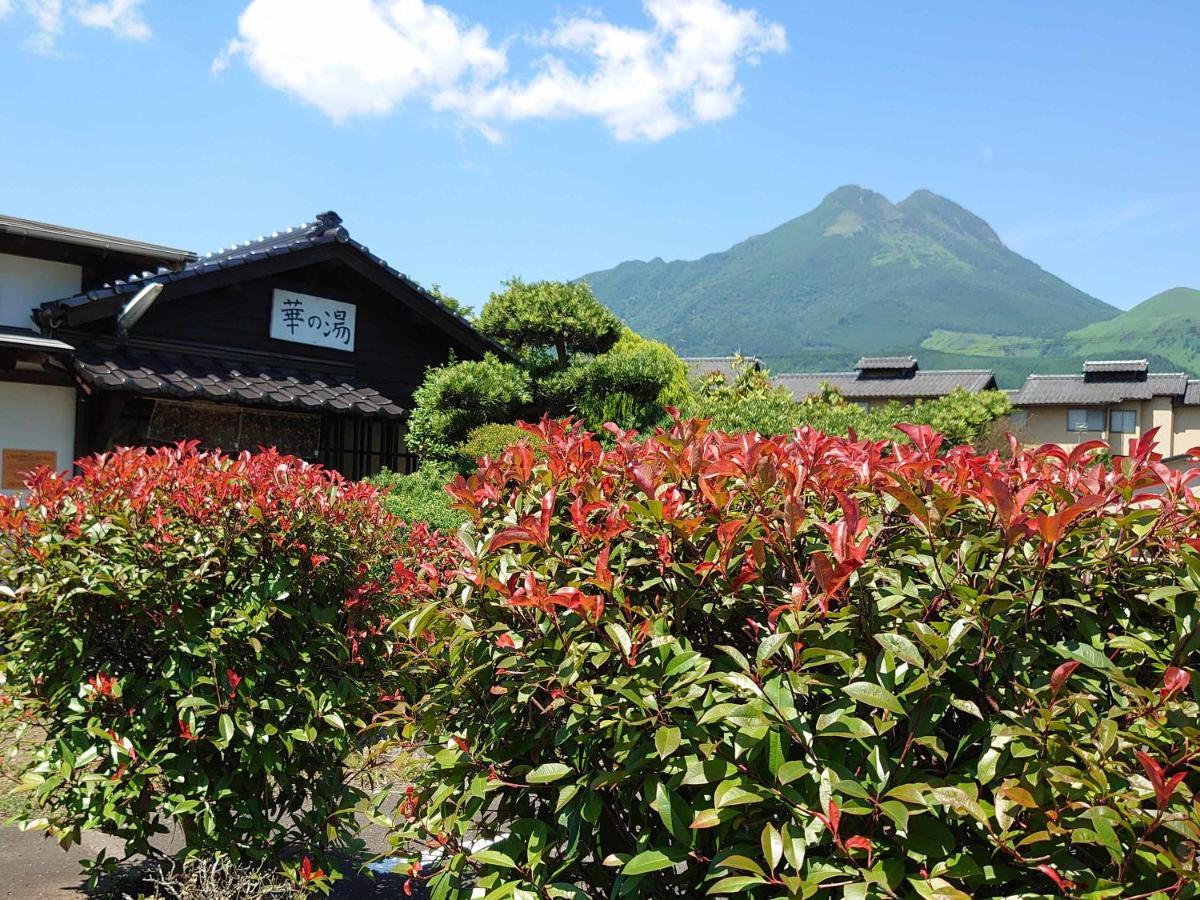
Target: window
[(1122, 421), (1085, 420)]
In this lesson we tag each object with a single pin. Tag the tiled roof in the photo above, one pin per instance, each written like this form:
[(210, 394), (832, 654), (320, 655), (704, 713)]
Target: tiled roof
[(699, 366), (27, 339), (58, 234), (1056, 390), (197, 376), (903, 363), (1110, 366), (917, 386), (326, 228), (1191, 394)]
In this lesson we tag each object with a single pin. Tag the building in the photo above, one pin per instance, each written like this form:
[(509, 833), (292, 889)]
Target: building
[(728, 367), (303, 340), (1113, 401), (877, 380)]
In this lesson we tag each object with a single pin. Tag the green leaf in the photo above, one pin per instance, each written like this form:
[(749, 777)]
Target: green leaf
[(735, 884), (491, 857), (335, 720), (652, 861), (874, 695), (706, 818), (772, 845), (666, 741), (620, 637), (548, 772), (225, 726), (1088, 655), (734, 792), (790, 771), (901, 648)]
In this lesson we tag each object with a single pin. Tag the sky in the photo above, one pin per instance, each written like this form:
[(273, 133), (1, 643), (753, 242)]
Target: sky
[(470, 141)]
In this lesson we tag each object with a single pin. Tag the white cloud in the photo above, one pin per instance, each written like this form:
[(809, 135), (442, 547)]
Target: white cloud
[(50, 17), (366, 57)]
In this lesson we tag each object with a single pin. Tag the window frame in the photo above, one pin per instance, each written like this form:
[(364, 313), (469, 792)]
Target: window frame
[(1112, 417), (1091, 416)]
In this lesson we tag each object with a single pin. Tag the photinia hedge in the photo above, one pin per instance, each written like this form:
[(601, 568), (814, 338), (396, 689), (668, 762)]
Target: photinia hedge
[(805, 666), (195, 638)]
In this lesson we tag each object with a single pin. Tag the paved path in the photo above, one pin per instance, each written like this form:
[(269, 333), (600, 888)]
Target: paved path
[(35, 868)]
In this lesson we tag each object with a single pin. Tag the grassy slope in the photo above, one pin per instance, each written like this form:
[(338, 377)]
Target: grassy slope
[(1167, 325)]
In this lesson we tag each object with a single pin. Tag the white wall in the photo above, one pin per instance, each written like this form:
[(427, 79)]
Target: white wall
[(38, 417), (26, 282)]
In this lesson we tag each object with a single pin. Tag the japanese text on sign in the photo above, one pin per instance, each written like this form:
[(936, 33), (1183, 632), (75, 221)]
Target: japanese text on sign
[(305, 319)]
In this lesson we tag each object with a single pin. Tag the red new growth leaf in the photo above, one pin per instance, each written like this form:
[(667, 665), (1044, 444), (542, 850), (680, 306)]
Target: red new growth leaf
[(1061, 883), (185, 731), (1163, 786), (234, 680), (308, 873), (1175, 680), (1060, 675), (506, 641), (859, 842)]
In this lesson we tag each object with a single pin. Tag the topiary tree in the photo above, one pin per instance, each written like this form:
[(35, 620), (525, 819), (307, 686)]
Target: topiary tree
[(707, 663), (459, 396), (197, 640), (563, 316)]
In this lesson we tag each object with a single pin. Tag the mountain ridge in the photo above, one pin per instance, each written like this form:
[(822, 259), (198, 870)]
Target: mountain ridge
[(857, 274)]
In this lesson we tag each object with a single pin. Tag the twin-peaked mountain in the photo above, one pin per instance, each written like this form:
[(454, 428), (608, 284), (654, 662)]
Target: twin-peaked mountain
[(858, 276)]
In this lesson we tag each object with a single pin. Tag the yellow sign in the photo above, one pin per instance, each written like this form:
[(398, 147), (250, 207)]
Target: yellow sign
[(19, 462)]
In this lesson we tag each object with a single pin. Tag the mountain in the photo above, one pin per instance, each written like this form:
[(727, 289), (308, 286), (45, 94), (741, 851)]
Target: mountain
[(1166, 326), (856, 275)]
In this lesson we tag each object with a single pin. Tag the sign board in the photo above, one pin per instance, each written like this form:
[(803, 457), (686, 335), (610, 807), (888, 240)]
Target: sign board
[(305, 319), (19, 462)]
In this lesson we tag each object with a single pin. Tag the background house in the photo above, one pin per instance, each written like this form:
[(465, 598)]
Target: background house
[(877, 380), (1115, 401), (303, 340)]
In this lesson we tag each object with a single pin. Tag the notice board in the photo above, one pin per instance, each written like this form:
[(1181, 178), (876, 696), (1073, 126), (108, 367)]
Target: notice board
[(17, 463)]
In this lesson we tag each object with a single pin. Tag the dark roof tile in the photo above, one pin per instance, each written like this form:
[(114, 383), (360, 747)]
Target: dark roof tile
[(917, 386), (200, 376), (1057, 390)]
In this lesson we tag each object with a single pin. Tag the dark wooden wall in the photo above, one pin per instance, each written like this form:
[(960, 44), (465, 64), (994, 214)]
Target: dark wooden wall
[(394, 344)]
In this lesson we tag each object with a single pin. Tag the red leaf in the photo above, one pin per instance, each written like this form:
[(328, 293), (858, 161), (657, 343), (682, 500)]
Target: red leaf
[(1155, 773), (506, 641), (1052, 873), (1175, 680), (1060, 675), (859, 842)]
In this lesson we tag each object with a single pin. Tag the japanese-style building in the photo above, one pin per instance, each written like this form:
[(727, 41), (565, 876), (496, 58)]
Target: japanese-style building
[(303, 340)]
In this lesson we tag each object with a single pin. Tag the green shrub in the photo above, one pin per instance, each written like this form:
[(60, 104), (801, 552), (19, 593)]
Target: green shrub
[(421, 496), (808, 667), (750, 402), (561, 316), (490, 441), (460, 396), (200, 639)]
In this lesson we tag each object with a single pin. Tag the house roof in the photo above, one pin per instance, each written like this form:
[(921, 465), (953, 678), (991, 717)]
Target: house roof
[(1058, 390), (1116, 366), (919, 385), (59, 234), (197, 376), (699, 366), (326, 230), (22, 339), (886, 363)]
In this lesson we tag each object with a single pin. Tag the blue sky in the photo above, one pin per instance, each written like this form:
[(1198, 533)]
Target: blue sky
[(440, 135)]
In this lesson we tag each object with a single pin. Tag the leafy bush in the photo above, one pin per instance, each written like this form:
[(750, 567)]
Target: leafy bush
[(562, 316), (460, 396), (200, 638), (421, 496), (489, 440), (752, 403), (808, 666)]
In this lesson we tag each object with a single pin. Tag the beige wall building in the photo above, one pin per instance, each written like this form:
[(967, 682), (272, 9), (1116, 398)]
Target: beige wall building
[(1114, 401)]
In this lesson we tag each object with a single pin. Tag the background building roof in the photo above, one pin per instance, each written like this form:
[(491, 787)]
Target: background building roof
[(1057, 390), (915, 386), (60, 234)]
